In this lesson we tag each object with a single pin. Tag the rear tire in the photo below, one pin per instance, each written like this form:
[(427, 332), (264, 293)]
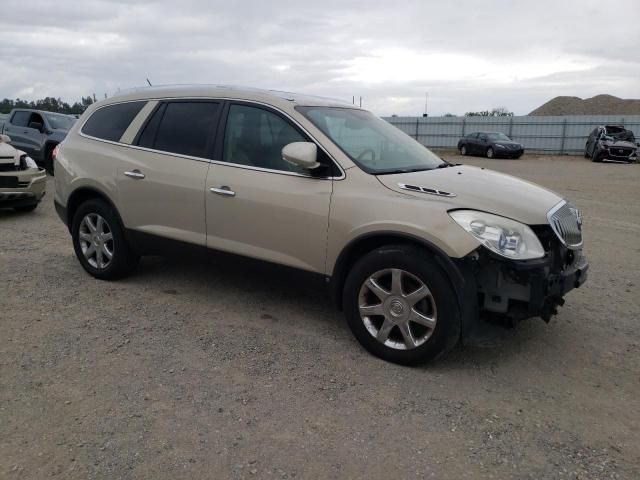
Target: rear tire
[(490, 152), (463, 150), (438, 308), (99, 241)]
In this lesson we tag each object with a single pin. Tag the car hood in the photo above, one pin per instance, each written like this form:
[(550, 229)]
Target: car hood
[(619, 143), (7, 153), (480, 189)]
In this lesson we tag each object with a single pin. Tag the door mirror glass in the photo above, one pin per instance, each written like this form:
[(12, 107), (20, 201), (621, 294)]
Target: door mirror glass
[(301, 154), (37, 126), (5, 138)]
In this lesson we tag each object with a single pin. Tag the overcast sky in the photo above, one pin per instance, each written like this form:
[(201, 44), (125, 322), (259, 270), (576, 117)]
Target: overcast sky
[(468, 55)]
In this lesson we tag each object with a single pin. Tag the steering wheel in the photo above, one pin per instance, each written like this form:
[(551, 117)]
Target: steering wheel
[(364, 152)]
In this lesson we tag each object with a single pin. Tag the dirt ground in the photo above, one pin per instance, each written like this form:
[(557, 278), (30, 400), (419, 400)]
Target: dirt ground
[(210, 370)]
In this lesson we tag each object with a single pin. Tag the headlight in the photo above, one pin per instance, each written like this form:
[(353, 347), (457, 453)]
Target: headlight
[(501, 235), (28, 162)]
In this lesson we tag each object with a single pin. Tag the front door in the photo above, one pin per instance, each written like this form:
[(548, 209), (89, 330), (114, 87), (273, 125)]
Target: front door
[(259, 205)]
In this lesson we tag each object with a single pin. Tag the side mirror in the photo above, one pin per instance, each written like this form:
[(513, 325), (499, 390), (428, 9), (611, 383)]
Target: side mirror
[(301, 154), (37, 126), (5, 138)]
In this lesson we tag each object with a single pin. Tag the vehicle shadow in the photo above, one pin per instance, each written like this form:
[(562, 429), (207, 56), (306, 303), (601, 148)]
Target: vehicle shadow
[(268, 287)]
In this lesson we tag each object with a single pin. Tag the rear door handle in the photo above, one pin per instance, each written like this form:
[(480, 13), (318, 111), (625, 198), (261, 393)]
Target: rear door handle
[(137, 174), (224, 190)]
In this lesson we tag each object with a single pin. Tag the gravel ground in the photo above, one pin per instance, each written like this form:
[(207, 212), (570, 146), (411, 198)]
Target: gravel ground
[(210, 370)]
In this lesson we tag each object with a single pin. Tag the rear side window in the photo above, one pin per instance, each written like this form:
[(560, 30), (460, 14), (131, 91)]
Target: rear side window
[(110, 122), (20, 119), (185, 128)]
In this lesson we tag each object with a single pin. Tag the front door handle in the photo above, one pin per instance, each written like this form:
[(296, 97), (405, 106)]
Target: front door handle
[(224, 190), (137, 174)]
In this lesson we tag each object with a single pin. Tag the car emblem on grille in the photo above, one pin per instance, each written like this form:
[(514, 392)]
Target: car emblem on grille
[(620, 151), (578, 215)]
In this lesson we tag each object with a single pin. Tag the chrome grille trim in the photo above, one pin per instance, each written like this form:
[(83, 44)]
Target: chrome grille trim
[(566, 222)]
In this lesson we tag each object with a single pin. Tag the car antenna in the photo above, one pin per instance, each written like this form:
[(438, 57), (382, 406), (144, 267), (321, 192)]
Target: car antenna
[(149, 83)]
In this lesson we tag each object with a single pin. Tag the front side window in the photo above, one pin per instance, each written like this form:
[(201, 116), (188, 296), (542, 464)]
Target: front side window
[(35, 118), (255, 137), (374, 145), (110, 122)]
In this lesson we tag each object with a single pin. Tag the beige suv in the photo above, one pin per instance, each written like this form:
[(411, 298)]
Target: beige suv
[(419, 253)]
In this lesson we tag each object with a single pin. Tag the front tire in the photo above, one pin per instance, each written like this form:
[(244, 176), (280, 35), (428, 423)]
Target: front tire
[(400, 305), (490, 153), (99, 241)]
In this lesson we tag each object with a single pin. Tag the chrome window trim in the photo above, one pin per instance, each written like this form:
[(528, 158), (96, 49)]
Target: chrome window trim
[(550, 214), (342, 175)]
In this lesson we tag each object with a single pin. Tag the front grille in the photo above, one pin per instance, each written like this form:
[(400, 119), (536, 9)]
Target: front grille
[(620, 151), (566, 222), (9, 182), (8, 167)]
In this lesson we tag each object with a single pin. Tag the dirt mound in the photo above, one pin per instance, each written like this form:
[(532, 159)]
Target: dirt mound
[(598, 105)]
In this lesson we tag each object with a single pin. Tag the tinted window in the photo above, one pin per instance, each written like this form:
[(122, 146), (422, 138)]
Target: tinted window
[(35, 118), (148, 136), (185, 128), (110, 122), (255, 137), (21, 118)]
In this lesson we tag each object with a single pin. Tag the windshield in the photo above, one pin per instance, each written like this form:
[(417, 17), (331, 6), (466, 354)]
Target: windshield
[(498, 136), (58, 121), (373, 144)]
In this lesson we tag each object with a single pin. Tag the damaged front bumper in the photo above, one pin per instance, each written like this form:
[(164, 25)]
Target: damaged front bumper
[(22, 188), (499, 288)]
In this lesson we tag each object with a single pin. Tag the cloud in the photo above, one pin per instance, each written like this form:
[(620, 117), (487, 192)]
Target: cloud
[(466, 55)]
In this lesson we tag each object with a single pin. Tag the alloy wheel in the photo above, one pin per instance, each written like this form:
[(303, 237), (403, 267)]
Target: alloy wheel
[(397, 309), (96, 241)]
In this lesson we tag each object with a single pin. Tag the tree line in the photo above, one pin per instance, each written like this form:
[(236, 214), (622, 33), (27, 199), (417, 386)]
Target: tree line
[(48, 104)]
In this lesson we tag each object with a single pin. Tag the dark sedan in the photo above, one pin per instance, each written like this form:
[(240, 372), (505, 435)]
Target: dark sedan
[(490, 145)]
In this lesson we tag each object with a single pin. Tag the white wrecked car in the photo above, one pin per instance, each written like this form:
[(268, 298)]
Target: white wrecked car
[(22, 182)]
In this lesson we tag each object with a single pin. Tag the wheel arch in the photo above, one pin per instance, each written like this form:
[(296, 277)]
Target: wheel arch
[(363, 244), (81, 195)]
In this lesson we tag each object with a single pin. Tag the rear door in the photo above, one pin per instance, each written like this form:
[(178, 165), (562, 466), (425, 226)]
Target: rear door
[(260, 206), (161, 178)]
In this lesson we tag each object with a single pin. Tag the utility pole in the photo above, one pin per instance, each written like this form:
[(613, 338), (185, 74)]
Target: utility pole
[(426, 104)]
